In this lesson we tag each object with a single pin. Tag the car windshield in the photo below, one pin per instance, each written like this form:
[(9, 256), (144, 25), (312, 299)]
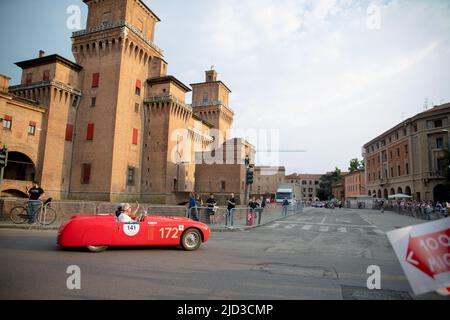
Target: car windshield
[(282, 195)]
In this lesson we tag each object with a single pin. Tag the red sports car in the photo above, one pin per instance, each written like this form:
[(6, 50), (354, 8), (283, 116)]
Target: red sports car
[(98, 232)]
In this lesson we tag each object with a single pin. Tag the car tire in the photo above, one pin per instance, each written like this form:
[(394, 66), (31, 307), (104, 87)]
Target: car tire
[(191, 240), (96, 248)]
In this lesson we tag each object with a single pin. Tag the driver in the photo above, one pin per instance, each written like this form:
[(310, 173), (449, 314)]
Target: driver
[(123, 213)]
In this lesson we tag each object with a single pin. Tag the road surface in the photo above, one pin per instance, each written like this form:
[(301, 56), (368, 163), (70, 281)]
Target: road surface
[(319, 254)]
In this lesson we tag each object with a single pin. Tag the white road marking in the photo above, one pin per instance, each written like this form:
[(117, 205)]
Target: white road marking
[(342, 229), (332, 224), (323, 220), (323, 229), (342, 220), (307, 227), (378, 231), (289, 226)]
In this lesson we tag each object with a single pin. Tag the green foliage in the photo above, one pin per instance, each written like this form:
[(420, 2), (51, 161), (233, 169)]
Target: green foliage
[(355, 165), (324, 191)]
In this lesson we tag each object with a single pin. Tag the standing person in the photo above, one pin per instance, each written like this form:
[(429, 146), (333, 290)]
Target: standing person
[(230, 211), (211, 202), (382, 206), (284, 206), (193, 207), (34, 204), (252, 205), (261, 210)]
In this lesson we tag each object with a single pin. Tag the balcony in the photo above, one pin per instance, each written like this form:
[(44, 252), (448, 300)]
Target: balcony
[(435, 175)]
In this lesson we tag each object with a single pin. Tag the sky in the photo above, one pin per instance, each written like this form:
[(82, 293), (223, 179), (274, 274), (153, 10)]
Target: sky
[(315, 78)]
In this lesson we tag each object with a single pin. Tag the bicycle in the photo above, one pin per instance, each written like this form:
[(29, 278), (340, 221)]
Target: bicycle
[(45, 214)]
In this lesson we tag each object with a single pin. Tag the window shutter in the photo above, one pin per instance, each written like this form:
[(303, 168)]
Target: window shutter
[(138, 84), (90, 132), (8, 118), (32, 124), (95, 80), (69, 132), (135, 136), (29, 78), (46, 75)]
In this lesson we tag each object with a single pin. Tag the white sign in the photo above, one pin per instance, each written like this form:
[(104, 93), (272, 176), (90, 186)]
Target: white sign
[(131, 228), (424, 254)]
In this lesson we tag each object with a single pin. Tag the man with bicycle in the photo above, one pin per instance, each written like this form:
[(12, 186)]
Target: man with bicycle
[(34, 204)]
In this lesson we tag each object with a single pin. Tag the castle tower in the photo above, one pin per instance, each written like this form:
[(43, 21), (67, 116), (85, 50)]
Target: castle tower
[(210, 102), (50, 84), (117, 53)]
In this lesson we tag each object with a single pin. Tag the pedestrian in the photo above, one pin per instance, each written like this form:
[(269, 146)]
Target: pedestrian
[(230, 211), (193, 207), (261, 209), (211, 202), (284, 206), (252, 206), (382, 206), (34, 204)]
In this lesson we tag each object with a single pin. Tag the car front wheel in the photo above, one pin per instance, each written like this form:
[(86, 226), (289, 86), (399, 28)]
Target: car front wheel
[(191, 240), (97, 248)]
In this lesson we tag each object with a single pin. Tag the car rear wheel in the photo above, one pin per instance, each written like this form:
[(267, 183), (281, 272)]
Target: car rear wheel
[(191, 240), (97, 248)]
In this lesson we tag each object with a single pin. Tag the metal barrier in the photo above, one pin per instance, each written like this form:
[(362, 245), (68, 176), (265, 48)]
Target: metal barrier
[(208, 215), (159, 210)]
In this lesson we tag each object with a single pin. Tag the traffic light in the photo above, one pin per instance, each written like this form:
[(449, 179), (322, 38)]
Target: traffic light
[(3, 157), (249, 179)]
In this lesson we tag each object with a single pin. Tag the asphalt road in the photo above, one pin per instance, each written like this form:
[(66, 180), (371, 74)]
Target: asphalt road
[(320, 254)]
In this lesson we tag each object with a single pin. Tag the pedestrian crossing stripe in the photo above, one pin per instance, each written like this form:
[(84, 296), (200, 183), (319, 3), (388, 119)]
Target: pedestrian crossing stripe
[(309, 227)]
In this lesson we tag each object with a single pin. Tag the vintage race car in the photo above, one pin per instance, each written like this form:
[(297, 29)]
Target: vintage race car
[(98, 232)]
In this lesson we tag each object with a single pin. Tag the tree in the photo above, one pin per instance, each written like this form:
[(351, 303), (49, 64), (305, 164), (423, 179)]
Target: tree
[(354, 165), (326, 181)]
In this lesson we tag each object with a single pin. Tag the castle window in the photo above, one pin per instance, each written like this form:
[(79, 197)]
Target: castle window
[(32, 128), (135, 136), (29, 78), (86, 173), (138, 87), (95, 80), (136, 107), (90, 132), (46, 75), (7, 122), (93, 101), (69, 132), (130, 176)]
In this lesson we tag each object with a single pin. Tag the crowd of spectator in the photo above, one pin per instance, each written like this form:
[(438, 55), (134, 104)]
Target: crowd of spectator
[(422, 209)]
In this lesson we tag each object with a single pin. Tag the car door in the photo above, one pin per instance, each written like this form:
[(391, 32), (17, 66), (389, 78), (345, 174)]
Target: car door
[(130, 234)]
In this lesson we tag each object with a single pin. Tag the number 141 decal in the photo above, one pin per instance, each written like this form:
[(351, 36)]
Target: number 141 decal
[(167, 233)]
